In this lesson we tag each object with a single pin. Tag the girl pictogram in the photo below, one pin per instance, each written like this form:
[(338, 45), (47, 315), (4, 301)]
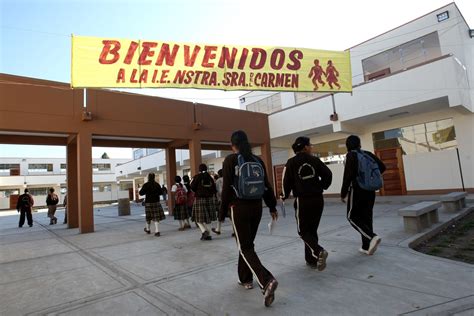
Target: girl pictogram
[(331, 75)]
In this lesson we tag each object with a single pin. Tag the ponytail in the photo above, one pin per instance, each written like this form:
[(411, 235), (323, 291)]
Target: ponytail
[(240, 141)]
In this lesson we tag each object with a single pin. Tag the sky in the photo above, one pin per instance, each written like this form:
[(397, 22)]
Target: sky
[(35, 34)]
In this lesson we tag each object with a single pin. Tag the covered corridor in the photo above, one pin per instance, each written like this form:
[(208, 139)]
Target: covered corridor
[(51, 113)]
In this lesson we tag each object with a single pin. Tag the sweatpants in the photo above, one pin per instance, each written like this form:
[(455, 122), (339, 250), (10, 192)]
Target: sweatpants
[(360, 207), (246, 216), (308, 212), (29, 217)]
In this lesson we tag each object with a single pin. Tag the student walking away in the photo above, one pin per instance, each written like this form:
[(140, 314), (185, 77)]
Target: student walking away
[(165, 192), (204, 208), (153, 209), (307, 176), (362, 177), (23, 206), (180, 210), (190, 198), (52, 201), (245, 183), (65, 209), (219, 182)]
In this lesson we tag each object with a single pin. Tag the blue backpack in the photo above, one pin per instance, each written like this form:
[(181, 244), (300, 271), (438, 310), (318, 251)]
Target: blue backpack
[(369, 176), (249, 181)]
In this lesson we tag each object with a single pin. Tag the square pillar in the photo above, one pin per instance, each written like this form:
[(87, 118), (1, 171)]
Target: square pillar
[(170, 174), (267, 160), (195, 155), (72, 184), (84, 173)]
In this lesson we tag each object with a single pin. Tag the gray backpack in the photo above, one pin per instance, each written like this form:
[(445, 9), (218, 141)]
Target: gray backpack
[(249, 180)]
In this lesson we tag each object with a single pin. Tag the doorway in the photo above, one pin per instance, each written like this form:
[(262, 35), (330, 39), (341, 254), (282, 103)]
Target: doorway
[(278, 171), (394, 177)]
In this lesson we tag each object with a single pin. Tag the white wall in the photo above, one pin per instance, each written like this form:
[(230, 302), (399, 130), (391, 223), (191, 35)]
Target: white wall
[(431, 171)]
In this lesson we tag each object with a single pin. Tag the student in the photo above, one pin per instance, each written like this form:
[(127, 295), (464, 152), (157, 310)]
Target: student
[(65, 209), (204, 208), (165, 192), (180, 210), (243, 193), (153, 209), (52, 201), (190, 197), (24, 206), (361, 200), (307, 176), (219, 182)]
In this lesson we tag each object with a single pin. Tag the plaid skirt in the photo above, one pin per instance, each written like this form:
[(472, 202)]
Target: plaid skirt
[(205, 210), (154, 212), (180, 212)]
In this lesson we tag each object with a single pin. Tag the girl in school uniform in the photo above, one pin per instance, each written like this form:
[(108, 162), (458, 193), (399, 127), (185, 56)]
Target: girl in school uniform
[(180, 210)]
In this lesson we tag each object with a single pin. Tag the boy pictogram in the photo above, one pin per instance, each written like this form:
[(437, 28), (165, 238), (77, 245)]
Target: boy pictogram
[(316, 73), (331, 75)]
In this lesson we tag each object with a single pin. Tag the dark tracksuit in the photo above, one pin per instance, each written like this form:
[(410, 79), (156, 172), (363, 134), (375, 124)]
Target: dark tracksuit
[(246, 216), (360, 202), (24, 205), (309, 202)]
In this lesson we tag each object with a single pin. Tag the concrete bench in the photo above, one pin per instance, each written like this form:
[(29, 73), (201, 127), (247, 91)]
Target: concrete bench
[(419, 216), (454, 201)]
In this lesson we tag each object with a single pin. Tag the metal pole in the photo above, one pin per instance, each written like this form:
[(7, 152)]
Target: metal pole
[(460, 170)]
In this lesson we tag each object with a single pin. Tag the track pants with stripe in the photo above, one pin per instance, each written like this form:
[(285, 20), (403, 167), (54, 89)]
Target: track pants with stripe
[(308, 212), (246, 216), (360, 208)]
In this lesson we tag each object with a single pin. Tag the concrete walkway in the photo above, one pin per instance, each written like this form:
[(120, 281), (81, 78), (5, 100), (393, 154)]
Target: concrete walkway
[(119, 270)]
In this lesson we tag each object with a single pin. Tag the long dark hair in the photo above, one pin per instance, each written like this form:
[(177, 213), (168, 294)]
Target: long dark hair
[(240, 140)]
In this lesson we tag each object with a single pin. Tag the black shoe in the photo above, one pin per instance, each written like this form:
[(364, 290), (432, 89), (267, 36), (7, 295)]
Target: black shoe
[(55, 221), (20, 226), (31, 225), (269, 294), (157, 234), (215, 231), (146, 231), (206, 236), (51, 223)]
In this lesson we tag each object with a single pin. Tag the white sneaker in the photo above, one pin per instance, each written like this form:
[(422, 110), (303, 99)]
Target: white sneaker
[(374, 243), (365, 252)]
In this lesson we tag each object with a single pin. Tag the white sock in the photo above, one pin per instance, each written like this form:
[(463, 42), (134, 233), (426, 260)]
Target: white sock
[(218, 225), (207, 228), (147, 226), (202, 227), (187, 221), (181, 224), (157, 227)]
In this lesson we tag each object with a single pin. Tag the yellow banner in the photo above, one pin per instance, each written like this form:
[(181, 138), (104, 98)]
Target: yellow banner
[(123, 63)]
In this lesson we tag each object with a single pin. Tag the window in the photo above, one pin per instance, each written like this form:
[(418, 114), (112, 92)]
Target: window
[(5, 193), (12, 169), (38, 191), (100, 167), (333, 152), (426, 137), (138, 153), (402, 57), (40, 167), (106, 187), (151, 151), (63, 167)]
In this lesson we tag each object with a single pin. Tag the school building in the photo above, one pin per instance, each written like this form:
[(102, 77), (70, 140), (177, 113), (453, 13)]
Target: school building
[(41, 174), (412, 104), (147, 160)]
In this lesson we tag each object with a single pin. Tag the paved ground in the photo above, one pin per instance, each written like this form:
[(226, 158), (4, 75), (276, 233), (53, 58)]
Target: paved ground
[(118, 270)]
